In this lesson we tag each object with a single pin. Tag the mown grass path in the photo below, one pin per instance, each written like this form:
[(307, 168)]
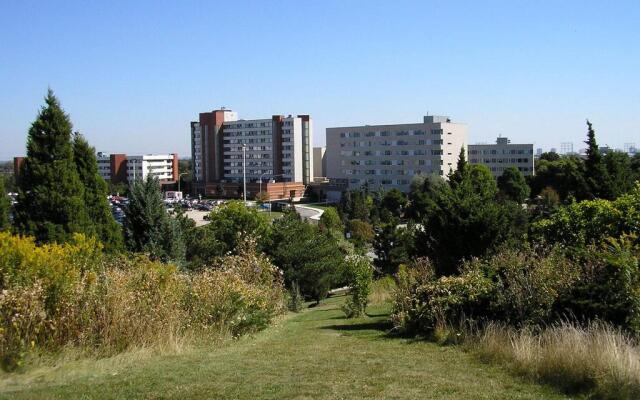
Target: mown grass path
[(317, 354)]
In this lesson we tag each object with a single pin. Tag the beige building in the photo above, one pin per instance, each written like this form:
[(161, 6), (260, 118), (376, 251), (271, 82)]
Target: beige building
[(502, 155), (319, 162), (388, 156)]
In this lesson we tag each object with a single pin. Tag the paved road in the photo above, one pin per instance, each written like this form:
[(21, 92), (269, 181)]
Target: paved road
[(309, 213)]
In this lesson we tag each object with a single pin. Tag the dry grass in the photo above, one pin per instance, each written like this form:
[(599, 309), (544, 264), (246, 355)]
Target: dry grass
[(598, 360), (51, 308), (382, 291)]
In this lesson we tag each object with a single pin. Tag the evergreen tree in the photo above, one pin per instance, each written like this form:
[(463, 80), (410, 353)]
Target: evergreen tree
[(50, 193), (550, 156), (95, 194), (394, 201), (466, 221), (5, 207), (566, 176), (456, 176), (620, 172), (513, 185), (306, 255), (595, 170), (147, 226)]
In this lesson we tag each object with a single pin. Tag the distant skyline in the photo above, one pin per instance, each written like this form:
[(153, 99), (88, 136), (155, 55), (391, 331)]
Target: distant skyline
[(132, 75)]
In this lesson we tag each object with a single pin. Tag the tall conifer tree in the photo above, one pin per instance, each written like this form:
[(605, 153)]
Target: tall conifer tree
[(50, 194), (95, 194), (595, 169), (455, 177), (147, 226)]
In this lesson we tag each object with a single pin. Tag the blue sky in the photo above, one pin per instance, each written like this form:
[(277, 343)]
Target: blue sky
[(133, 74)]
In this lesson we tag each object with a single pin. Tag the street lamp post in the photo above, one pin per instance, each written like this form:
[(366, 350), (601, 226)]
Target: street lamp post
[(179, 176), (266, 173), (244, 172)]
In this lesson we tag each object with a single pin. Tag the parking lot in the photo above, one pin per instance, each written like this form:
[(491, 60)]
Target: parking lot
[(198, 216)]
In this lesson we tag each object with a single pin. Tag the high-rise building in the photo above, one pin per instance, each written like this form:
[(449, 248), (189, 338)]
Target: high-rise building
[(274, 154), (388, 156), (502, 155)]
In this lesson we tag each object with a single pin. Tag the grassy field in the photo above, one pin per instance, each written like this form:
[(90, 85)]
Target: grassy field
[(317, 354), (273, 215)]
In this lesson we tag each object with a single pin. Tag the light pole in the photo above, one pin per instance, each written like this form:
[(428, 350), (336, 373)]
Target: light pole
[(179, 176), (266, 173), (244, 172)]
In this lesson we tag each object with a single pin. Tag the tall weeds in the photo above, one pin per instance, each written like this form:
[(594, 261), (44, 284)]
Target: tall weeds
[(597, 360), (59, 299)]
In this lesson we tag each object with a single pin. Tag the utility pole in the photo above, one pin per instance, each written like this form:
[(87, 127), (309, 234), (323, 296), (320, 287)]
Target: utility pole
[(244, 172)]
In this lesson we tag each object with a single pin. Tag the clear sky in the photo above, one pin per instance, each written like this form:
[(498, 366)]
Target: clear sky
[(133, 74)]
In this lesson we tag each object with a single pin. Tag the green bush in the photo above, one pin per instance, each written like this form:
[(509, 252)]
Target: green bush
[(424, 301), (590, 222), (518, 287), (527, 283), (359, 273), (609, 285)]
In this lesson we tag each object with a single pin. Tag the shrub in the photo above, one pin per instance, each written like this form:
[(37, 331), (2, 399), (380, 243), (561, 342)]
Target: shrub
[(423, 301), (360, 275), (609, 287), (526, 283), (55, 296), (589, 222), (519, 287)]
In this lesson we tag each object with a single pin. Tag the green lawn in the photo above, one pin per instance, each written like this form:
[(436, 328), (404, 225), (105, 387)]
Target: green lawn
[(320, 206), (317, 354), (273, 215)]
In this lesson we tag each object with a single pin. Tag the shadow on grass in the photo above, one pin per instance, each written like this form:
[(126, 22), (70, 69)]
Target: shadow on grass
[(381, 326)]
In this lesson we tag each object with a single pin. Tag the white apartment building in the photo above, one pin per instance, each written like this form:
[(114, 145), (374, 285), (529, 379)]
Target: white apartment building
[(124, 168), (502, 155), (388, 156), (104, 165), (159, 166)]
